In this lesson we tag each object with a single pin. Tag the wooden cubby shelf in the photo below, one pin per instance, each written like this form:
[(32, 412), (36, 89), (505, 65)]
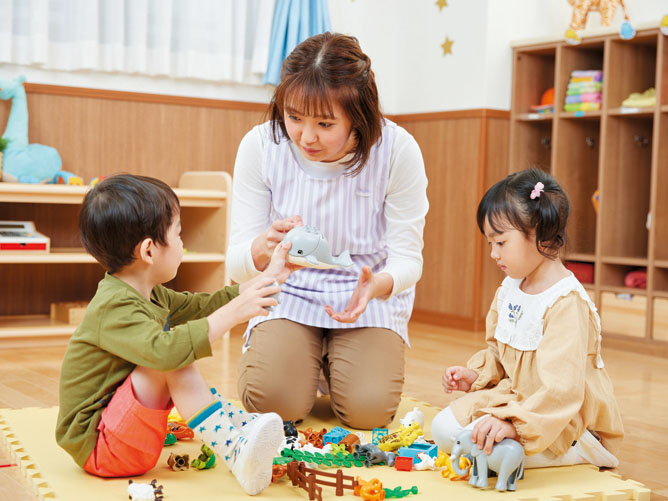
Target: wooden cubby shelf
[(68, 273), (618, 152)]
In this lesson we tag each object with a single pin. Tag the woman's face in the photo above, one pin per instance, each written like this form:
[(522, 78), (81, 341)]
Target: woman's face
[(321, 139)]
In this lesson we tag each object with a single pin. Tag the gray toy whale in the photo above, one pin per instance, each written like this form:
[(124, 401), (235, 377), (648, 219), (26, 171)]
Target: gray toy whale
[(310, 249)]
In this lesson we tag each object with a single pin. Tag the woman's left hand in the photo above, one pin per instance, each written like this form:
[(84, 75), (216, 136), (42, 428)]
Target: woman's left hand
[(368, 287)]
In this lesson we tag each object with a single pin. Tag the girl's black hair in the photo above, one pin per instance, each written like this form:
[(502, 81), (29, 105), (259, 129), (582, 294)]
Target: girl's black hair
[(509, 202), (120, 212)]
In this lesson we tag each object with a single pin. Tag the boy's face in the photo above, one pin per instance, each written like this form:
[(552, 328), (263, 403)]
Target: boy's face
[(167, 258)]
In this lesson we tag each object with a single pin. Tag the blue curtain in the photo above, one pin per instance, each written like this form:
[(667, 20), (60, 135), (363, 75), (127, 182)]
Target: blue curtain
[(294, 21)]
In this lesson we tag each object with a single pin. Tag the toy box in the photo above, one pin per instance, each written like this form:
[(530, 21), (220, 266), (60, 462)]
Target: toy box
[(21, 236), (70, 312)]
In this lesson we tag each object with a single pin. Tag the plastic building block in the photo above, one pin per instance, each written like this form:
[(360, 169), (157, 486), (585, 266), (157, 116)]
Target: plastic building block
[(349, 442), (377, 434), (178, 462), (398, 492), (170, 439), (403, 463), (415, 449), (340, 459), (335, 435), (205, 460)]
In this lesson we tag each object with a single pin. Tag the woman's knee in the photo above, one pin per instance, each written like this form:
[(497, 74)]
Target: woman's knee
[(365, 410)]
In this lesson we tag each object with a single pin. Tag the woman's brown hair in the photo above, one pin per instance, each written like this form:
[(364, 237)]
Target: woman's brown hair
[(328, 68)]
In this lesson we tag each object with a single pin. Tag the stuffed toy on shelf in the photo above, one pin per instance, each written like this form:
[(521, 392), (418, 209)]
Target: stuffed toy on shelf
[(607, 8), (23, 162)]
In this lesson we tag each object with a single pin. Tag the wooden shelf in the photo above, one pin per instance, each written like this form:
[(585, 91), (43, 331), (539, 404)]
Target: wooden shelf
[(631, 112), (62, 194), (585, 258), (62, 256), (661, 263), (623, 290), (580, 115), (534, 117), (33, 326), (660, 293), (624, 261), (664, 108)]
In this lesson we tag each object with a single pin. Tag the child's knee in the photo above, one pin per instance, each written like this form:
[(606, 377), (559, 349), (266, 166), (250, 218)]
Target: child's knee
[(444, 429)]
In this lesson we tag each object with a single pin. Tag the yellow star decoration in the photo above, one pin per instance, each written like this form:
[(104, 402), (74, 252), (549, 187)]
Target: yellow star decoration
[(447, 46), (441, 4)]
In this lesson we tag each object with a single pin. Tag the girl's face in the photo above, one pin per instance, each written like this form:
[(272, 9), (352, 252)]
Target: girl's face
[(515, 253), (318, 138)]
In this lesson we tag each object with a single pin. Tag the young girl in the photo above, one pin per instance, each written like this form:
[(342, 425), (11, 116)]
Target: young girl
[(541, 379), (327, 158)]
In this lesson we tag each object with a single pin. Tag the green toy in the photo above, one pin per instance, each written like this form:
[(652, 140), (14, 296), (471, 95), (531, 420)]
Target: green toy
[(205, 460), (338, 459), (398, 492), (170, 439)]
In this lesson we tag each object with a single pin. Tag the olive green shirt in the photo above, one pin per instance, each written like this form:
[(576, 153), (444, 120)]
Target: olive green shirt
[(121, 330)]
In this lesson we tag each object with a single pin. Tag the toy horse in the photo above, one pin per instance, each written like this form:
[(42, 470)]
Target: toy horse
[(607, 8), (23, 162)]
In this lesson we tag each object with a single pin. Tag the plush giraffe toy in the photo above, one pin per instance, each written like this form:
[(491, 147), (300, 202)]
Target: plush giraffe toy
[(607, 8), (23, 162)]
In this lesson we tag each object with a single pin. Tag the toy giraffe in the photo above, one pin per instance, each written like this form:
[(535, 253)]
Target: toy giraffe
[(23, 162), (607, 8)]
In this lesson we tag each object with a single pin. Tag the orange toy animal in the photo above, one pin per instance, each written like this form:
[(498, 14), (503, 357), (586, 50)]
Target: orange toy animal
[(607, 8)]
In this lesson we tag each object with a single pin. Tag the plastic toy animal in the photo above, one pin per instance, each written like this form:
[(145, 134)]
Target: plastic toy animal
[(506, 459), (414, 416), (311, 250), (144, 492), (23, 162), (374, 455), (289, 429), (443, 461), (404, 436)]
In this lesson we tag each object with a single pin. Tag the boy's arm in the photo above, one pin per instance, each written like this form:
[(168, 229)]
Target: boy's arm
[(186, 306)]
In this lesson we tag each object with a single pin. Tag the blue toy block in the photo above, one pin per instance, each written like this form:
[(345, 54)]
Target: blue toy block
[(377, 434), (335, 435), (415, 449)]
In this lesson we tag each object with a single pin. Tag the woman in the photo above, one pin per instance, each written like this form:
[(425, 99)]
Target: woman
[(327, 158)]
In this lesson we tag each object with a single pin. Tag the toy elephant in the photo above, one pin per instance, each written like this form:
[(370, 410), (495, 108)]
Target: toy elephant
[(506, 459)]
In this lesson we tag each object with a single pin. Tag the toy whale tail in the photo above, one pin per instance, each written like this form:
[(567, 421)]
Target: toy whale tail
[(344, 260)]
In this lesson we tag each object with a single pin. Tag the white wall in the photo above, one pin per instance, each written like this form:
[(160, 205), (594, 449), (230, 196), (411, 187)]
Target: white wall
[(403, 39)]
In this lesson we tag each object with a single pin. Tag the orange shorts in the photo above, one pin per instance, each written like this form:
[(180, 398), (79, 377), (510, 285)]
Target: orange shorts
[(131, 436)]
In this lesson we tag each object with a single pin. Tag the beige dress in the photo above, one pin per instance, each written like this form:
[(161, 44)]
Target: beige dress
[(542, 369)]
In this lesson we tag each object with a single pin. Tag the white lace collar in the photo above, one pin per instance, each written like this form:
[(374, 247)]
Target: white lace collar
[(521, 315)]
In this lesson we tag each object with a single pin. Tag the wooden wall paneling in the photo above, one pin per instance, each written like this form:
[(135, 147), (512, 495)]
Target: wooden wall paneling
[(450, 150)]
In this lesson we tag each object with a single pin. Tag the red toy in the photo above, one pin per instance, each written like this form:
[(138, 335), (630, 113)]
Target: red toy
[(403, 463)]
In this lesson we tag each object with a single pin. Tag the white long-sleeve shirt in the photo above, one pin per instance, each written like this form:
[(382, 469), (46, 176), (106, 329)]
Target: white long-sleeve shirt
[(405, 205)]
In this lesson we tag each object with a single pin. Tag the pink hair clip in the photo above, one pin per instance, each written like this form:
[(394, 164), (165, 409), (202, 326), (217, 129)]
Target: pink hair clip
[(537, 190)]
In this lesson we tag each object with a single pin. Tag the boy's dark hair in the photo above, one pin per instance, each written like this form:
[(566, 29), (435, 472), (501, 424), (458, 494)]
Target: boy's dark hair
[(120, 212), (509, 202), (324, 69)]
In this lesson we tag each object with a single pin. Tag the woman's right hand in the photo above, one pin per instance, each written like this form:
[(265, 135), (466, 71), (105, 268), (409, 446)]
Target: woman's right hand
[(458, 378), (264, 244)]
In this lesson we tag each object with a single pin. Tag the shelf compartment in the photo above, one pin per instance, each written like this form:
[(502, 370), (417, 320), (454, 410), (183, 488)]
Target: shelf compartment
[(532, 145), (580, 115), (586, 56), (534, 117), (660, 213), (613, 275), (577, 144), (66, 256), (638, 112), (533, 74), (661, 280), (625, 190), (628, 261), (575, 256), (632, 67), (623, 314)]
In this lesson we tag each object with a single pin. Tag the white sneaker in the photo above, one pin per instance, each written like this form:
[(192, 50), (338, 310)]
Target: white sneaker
[(254, 453)]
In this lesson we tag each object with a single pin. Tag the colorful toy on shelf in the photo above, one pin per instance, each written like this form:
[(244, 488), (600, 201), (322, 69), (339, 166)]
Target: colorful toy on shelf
[(607, 8), (584, 91), (23, 162), (664, 24), (645, 99), (310, 249), (404, 436), (594, 200), (96, 180), (178, 462), (144, 492), (22, 236), (64, 177), (506, 459), (546, 105), (636, 279)]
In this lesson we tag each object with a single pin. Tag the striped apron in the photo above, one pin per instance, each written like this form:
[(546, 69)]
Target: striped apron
[(349, 211)]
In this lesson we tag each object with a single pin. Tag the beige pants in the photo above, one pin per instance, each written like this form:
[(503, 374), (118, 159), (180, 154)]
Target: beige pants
[(280, 371)]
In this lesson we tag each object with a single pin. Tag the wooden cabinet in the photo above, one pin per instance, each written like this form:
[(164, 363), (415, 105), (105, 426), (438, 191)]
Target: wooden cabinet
[(620, 151), (31, 281)]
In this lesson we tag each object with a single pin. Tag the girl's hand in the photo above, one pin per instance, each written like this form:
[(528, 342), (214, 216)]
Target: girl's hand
[(279, 267), (491, 430), (458, 378), (264, 244), (367, 285)]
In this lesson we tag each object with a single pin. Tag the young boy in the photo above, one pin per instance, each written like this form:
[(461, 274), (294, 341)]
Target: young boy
[(132, 357)]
